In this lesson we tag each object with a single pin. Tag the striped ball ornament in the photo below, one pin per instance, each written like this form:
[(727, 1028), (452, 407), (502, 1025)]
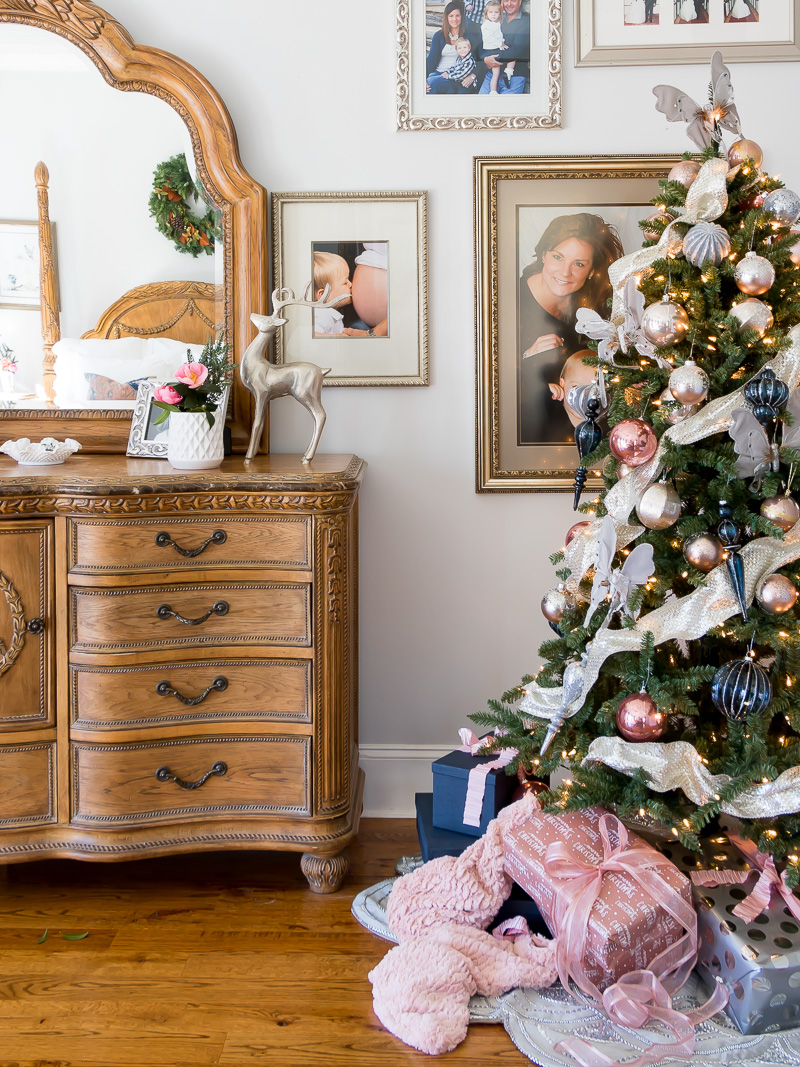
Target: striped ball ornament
[(741, 688)]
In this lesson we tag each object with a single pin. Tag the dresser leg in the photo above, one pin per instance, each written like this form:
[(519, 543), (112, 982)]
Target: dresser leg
[(323, 873)]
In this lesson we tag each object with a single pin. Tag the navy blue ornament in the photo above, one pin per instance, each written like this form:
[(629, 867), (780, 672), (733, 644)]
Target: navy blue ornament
[(729, 533), (588, 436), (767, 394), (741, 688)]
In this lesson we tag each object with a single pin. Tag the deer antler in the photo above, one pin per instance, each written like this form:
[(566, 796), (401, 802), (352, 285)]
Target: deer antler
[(278, 301)]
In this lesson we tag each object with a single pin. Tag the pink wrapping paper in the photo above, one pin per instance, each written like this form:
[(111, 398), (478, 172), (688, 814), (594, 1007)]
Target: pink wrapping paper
[(627, 929)]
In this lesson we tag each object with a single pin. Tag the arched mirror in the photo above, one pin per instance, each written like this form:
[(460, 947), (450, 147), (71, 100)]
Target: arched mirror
[(75, 193)]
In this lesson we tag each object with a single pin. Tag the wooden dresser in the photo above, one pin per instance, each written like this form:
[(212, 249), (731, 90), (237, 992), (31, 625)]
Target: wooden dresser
[(179, 660)]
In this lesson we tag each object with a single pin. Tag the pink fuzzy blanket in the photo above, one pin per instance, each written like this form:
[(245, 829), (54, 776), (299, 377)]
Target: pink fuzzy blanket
[(439, 913)]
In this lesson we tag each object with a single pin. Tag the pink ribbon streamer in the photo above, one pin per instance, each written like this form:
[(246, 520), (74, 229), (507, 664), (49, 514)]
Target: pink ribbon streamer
[(476, 783), (641, 996), (760, 897)]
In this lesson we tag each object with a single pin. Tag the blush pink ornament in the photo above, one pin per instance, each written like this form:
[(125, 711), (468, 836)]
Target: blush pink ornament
[(167, 395), (191, 374), (638, 718), (575, 529), (633, 441)]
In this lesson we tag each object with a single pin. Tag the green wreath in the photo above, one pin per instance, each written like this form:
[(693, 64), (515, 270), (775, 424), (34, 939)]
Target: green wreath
[(189, 232)]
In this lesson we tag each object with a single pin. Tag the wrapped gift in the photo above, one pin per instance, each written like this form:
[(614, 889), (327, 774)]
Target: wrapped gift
[(749, 933), (469, 790), (614, 902)]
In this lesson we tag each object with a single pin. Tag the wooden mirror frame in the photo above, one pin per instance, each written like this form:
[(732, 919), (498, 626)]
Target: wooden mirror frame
[(132, 67)]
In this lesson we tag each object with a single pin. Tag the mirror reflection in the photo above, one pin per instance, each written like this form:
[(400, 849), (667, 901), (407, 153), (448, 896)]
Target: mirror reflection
[(101, 148)]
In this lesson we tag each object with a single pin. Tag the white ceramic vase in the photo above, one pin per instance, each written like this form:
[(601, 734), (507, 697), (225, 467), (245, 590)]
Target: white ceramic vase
[(8, 381), (193, 445)]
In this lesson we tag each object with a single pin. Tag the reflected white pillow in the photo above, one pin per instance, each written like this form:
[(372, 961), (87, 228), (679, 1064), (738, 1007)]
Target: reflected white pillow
[(127, 359), (171, 352)]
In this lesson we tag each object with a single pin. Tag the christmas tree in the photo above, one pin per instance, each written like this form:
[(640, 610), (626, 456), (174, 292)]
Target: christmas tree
[(669, 690)]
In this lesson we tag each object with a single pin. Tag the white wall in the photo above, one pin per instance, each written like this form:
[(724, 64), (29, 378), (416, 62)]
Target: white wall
[(450, 580)]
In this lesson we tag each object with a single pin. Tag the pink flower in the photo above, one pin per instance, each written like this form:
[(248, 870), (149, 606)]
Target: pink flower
[(9, 365), (192, 374), (167, 395)]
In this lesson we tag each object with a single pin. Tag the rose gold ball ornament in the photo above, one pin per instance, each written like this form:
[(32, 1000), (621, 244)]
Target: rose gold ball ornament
[(632, 441), (745, 149), (776, 594), (674, 411), (684, 172), (528, 783), (754, 274), (574, 530), (659, 506), (794, 251), (784, 511), (638, 718), (555, 602), (689, 383), (664, 323), (752, 201), (753, 314), (657, 216), (703, 551)]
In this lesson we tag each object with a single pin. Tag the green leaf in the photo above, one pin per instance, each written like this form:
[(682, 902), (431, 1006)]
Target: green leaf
[(75, 937), (45, 936)]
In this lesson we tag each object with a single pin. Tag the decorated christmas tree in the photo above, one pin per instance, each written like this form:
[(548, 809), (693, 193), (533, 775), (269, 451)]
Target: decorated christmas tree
[(669, 689)]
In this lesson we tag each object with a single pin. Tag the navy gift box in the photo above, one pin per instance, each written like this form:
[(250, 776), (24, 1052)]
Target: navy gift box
[(434, 843), (450, 776)]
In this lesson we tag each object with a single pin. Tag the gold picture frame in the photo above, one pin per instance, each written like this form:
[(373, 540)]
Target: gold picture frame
[(384, 233), (516, 200), (604, 37)]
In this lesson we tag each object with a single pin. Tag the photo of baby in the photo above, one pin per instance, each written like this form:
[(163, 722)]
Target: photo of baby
[(358, 275)]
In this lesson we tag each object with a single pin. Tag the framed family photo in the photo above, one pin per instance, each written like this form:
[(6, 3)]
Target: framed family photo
[(644, 32), (369, 251), (478, 64), (19, 265), (546, 232)]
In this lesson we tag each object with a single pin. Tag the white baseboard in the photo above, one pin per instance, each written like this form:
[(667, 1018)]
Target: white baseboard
[(394, 773)]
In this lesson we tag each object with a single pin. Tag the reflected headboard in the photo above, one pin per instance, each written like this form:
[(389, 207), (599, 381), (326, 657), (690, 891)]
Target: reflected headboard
[(185, 311)]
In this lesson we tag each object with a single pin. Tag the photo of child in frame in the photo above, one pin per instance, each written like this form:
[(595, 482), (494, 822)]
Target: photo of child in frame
[(357, 273)]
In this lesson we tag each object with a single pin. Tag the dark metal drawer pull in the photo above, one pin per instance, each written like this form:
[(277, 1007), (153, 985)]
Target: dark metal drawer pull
[(164, 774), (35, 626), (164, 689), (166, 612), (163, 540)]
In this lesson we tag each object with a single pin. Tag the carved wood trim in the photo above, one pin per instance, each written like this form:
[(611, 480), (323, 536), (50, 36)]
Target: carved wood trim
[(44, 817), (156, 309), (141, 505), (131, 67), (48, 280)]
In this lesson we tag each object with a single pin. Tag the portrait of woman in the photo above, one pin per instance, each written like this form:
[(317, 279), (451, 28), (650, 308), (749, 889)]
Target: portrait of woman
[(449, 68), (569, 270)]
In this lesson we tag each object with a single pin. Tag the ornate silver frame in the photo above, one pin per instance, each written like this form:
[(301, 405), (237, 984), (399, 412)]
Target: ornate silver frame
[(407, 65), (138, 445)]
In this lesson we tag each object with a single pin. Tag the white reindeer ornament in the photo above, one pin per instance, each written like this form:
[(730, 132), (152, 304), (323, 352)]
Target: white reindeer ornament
[(266, 381)]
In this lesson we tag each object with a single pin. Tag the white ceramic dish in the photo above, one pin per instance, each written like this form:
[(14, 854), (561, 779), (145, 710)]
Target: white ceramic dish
[(37, 453)]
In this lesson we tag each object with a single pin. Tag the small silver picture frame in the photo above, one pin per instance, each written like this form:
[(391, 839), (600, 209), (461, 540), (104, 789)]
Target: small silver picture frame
[(147, 439)]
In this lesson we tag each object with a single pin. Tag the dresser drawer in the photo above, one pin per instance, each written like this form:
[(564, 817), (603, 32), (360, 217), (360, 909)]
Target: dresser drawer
[(240, 776), (111, 620), (108, 546), (27, 784), (126, 697)]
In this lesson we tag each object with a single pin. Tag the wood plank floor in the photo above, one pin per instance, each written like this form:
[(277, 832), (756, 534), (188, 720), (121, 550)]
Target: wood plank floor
[(222, 958)]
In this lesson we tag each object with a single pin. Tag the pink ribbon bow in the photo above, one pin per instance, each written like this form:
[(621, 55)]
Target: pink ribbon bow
[(640, 996), (760, 897), (476, 783)]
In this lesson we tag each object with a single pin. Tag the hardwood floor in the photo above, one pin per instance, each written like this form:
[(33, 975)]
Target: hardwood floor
[(223, 958)]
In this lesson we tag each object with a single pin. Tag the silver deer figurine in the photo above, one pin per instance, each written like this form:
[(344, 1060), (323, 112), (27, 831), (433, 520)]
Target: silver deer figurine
[(266, 381)]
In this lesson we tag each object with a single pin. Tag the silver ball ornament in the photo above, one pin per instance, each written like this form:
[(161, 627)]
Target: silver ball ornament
[(684, 172), (689, 384), (776, 594), (784, 205), (754, 274), (706, 241), (659, 506), (745, 149), (784, 511), (555, 603), (664, 323), (753, 314), (675, 412), (703, 551)]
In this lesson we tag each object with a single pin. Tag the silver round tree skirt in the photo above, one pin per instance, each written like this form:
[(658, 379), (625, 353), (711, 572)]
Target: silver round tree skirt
[(537, 1021)]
